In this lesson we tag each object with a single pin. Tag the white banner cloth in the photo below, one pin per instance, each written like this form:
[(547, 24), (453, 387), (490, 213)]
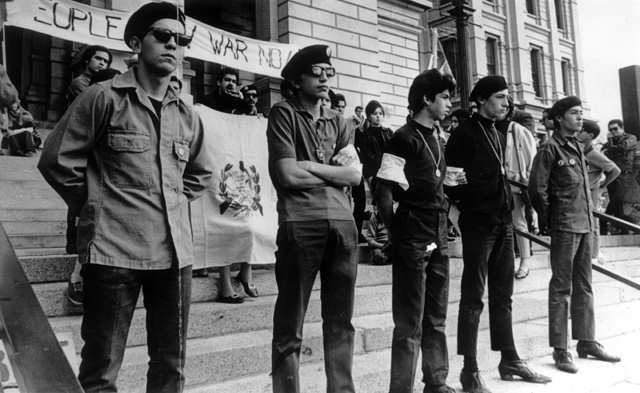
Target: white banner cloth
[(236, 220), (73, 21)]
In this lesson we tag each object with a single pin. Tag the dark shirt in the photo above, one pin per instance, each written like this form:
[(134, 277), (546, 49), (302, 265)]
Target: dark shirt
[(370, 143), (223, 102), (425, 188), (292, 133), (487, 196), (559, 186)]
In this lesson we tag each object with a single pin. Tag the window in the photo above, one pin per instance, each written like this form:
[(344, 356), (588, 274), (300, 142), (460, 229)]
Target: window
[(451, 53), (531, 7), (492, 55), (565, 66), (560, 14), (536, 71)]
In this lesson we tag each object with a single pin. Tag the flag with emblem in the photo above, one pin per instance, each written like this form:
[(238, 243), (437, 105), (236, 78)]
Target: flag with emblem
[(236, 219)]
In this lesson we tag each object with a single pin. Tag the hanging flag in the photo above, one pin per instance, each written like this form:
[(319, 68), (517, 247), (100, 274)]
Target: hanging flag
[(438, 59)]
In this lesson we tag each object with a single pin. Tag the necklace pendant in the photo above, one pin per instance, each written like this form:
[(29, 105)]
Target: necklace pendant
[(502, 170), (438, 173), (320, 154)]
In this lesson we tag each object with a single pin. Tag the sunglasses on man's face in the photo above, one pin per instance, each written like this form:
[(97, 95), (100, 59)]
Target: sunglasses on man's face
[(164, 35), (612, 129), (316, 71)]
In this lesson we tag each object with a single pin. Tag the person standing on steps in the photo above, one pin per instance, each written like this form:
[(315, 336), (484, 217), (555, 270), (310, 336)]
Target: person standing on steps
[(413, 170), (487, 235), (127, 157), (312, 161), (560, 193)]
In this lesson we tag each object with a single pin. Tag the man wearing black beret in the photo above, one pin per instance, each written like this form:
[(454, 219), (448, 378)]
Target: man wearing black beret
[(560, 193), (127, 157), (487, 235), (311, 162)]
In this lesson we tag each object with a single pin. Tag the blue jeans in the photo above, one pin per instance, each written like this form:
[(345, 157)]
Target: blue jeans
[(110, 297), (304, 249)]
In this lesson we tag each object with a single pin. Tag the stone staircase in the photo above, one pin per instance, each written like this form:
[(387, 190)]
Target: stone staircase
[(229, 346)]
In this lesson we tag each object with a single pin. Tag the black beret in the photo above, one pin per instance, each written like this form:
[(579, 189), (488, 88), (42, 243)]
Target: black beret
[(563, 105), (147, 15), (304, 58), (487, 86)]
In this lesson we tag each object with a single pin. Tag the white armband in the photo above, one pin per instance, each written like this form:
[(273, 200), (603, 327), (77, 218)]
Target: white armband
[(392, 169)]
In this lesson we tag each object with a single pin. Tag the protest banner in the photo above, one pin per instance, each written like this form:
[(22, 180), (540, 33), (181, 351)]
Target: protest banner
[(235, 220), (73, 21)]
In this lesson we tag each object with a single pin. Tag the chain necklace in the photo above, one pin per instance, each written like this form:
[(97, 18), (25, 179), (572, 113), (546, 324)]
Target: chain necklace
[(319, 141), (498, 152), (437, 163)]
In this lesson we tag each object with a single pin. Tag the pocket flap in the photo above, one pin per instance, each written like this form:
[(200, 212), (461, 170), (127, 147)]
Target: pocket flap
[(181, 150), (136, 143)]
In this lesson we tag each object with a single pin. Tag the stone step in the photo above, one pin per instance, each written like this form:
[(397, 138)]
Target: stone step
[(372, 306), (20, 168), (27, 215), (35, 227), (371, 368), (37, 240), (51, 202), (216, 359), (25, 189), (49, 254)]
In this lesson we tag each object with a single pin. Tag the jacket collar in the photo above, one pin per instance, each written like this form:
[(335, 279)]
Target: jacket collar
[(129, 81)]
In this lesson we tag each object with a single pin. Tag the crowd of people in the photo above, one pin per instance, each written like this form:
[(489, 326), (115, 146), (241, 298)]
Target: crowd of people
[(128, 146)]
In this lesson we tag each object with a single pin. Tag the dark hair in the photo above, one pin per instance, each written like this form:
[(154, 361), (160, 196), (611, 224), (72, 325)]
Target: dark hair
[(461, 114), (104, 75), (522, 118), (287, 90), (175, 78), (90, 51), (227, 71), (358, 107), (247, 88), (428, 84), (591, 127), (372, 106), (336, 98), (615, 121)]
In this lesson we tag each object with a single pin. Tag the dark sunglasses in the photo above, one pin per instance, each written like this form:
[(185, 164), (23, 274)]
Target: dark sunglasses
[(613, 129), (164, 35), (316, 70)]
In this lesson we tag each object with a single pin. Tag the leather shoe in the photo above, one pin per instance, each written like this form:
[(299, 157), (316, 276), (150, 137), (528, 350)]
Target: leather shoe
[(438, 389), (564, 361), (596, 350), (512, 368), (472, 383)]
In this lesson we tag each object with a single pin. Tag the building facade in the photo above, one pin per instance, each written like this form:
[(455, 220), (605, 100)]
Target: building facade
[(378, 47)]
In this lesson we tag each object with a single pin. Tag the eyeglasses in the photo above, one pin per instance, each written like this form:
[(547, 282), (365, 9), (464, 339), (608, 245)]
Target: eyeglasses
[(614, 129), (164, 35), (253, 95), (316, 70)]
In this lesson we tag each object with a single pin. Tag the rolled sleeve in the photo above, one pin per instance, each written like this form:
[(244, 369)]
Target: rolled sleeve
[(198, 174), (63, 162)]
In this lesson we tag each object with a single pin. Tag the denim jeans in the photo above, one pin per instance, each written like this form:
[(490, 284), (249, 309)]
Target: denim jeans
[(304, 249), (420, 295), (110, 297), (487, 252), (570, 283)]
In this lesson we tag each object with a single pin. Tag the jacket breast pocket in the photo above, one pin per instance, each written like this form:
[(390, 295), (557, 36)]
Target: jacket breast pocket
[(128, 161)]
